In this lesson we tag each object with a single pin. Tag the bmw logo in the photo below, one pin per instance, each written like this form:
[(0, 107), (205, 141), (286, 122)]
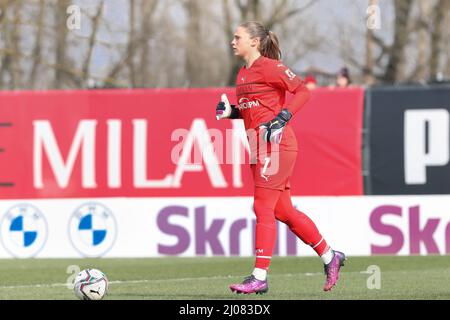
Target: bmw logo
[(23, 231), (92, 229)]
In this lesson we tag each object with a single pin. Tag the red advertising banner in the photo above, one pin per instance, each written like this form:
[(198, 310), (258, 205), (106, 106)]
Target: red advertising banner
[(163, 142)]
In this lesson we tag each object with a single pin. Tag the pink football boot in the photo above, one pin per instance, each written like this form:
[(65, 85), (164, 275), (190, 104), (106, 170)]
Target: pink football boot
[(332, 270), (250, 285)]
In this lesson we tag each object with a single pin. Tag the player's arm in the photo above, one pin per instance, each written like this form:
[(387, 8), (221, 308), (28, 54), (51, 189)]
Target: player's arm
[(301, 97), (278, 76), (225, 110)]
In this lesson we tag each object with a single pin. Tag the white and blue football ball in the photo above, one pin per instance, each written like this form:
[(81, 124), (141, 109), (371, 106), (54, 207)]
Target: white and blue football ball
[(91, 284)]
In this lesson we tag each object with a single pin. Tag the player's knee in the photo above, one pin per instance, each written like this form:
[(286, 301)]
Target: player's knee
[(260, 207), (286, 214), (264, 214), (282, 212), (280, 215)]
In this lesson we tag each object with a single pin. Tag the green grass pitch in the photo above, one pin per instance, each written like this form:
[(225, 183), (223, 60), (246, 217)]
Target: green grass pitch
[(416, 277)]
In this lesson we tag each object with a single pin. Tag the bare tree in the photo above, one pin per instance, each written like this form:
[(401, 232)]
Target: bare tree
[(368, 70), (169, 69), (401, 35), (440, 11), (37, 45), (4, 56), (60, 43), (447, 47), (193, 46), (131, 43), (420, 73), (14, 43), (92, 39), (417, 48), (228, 30), (148, 9), (139, 33)]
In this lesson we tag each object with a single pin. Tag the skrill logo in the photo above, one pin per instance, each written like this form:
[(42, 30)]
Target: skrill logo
[(408, 229), (245, 103), (221, 236)]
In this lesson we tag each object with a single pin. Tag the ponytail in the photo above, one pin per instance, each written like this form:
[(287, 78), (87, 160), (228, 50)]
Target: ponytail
[(269, 45)]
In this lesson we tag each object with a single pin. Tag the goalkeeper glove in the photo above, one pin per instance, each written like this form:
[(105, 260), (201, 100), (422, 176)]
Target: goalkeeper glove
[(273, 130), (225, 110)]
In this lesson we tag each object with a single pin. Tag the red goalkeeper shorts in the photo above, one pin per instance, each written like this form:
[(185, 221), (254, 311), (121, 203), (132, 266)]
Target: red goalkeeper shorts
[(274, 171)]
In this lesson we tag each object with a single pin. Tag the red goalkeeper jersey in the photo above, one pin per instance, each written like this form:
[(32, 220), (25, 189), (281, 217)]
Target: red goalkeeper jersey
[(261, 94)]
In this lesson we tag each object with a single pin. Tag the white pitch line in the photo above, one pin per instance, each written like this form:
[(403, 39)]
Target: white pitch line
[(308, 274)]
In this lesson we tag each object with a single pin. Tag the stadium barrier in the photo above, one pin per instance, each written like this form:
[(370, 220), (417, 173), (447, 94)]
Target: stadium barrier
[(146, 143), (214, 226), (408, 140), (149, 173)]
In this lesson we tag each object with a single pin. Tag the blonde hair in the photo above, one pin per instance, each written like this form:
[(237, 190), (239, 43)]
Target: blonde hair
[(269, 44)]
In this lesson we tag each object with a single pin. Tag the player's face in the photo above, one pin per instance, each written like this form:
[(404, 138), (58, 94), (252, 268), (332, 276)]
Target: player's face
[(242, 44)]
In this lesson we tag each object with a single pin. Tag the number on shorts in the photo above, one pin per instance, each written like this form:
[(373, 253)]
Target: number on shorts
[(266, 165)]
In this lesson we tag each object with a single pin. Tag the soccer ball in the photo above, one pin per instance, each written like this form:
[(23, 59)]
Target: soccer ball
[(91, 284)]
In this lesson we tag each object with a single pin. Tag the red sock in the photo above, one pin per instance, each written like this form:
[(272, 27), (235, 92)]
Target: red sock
[(300, 224), (266, 231)]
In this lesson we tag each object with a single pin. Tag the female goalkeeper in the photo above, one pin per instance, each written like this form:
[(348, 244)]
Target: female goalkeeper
[(261, 85)]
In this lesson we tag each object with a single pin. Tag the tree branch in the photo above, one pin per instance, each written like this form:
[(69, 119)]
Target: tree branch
[(95, 24)]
